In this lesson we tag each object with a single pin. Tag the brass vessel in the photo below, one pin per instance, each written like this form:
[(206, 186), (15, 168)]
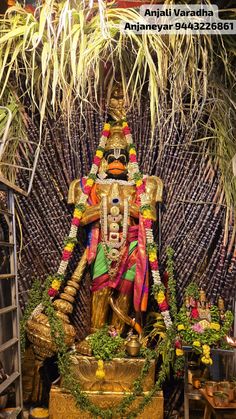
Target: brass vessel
[(133, 346)]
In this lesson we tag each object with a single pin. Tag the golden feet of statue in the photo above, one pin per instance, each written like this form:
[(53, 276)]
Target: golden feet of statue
[(84, 347)]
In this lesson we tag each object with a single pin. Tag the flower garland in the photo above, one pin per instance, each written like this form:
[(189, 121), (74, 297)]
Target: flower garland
[(79, 209), (145, 209)]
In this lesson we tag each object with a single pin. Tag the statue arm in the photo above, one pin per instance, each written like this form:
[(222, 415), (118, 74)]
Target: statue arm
[(154, 190), (92, 213), (134, 210)]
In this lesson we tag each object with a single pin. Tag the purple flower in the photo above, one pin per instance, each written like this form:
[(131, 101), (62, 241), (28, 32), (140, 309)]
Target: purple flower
[(112, 332)]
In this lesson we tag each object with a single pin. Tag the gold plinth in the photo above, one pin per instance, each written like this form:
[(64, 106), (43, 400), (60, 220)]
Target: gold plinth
[(62, 405), (120, 373)]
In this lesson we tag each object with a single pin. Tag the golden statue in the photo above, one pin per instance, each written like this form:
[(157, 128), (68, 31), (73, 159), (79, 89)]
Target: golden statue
[(113, 215), (116, 250), (118, 205)]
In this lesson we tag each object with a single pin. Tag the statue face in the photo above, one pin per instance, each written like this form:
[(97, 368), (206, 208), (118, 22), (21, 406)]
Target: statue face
[(117, 159)]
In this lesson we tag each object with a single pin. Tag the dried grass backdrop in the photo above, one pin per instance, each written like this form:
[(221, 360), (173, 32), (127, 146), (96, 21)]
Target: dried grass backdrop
[(181, 108)]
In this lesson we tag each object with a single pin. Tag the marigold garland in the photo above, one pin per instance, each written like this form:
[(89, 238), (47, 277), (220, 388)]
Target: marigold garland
[(79, 209), (146, 213)]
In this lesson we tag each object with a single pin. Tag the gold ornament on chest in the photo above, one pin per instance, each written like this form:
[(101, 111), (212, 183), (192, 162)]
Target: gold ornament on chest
[(114, 226)]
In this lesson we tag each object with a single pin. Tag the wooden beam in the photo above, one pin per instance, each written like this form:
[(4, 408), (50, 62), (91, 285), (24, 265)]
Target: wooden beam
[(12, 186)]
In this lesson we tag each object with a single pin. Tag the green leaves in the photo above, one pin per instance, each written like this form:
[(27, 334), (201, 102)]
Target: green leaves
[(192, 290), (34, 298), (104, 346)]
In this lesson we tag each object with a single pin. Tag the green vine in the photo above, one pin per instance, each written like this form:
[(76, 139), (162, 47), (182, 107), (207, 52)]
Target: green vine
[(64, 363), (106, 347), (71, 383), (192, 290), (171, 282), (34, 298)]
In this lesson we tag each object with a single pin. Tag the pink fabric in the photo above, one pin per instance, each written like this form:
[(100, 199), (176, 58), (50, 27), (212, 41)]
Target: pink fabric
[(100, 283), (87, 189), (126, 287), (92, 250), (132, 234), (141, 266)]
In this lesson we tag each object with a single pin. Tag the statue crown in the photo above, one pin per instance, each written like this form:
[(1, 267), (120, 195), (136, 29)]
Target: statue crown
[(116, 139)]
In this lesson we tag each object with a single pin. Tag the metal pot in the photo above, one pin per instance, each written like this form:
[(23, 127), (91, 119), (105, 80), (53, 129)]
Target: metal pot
[(211, 386), (220, 398), (228, 388), (133, 346)]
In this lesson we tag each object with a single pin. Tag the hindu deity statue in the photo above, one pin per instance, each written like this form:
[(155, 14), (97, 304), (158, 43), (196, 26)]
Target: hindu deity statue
[(117, 204), (116, 249), (117, 244)]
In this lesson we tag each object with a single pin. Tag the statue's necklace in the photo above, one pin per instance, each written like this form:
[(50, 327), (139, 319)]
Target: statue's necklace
[(110, 227)]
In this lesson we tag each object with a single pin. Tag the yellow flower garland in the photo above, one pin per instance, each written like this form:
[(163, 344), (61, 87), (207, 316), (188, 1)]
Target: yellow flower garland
[(160, 297)]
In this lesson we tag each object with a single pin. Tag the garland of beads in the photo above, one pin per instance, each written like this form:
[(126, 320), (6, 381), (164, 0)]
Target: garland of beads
[(158, 288), (71, 240)]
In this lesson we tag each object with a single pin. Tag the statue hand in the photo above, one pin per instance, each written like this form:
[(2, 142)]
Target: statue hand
[(91, 214)]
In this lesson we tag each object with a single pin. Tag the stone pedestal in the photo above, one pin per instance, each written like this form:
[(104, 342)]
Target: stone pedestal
[(120, 374), (62, 405)]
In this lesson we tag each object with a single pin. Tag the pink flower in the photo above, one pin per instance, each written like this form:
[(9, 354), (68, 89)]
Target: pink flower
[(163, 306), (197, 328), (132, 158), (126, 130), (194, 313), (193, 302), (52, 292), (147, 223), (87, 190), (141, 189), (113, 333), (97, 160), (66, 255), (178, 344), (75, 221), (154, 265), (105, 133)]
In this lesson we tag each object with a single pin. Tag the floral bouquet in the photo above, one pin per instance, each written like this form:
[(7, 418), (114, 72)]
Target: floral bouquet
[(201, 325)]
